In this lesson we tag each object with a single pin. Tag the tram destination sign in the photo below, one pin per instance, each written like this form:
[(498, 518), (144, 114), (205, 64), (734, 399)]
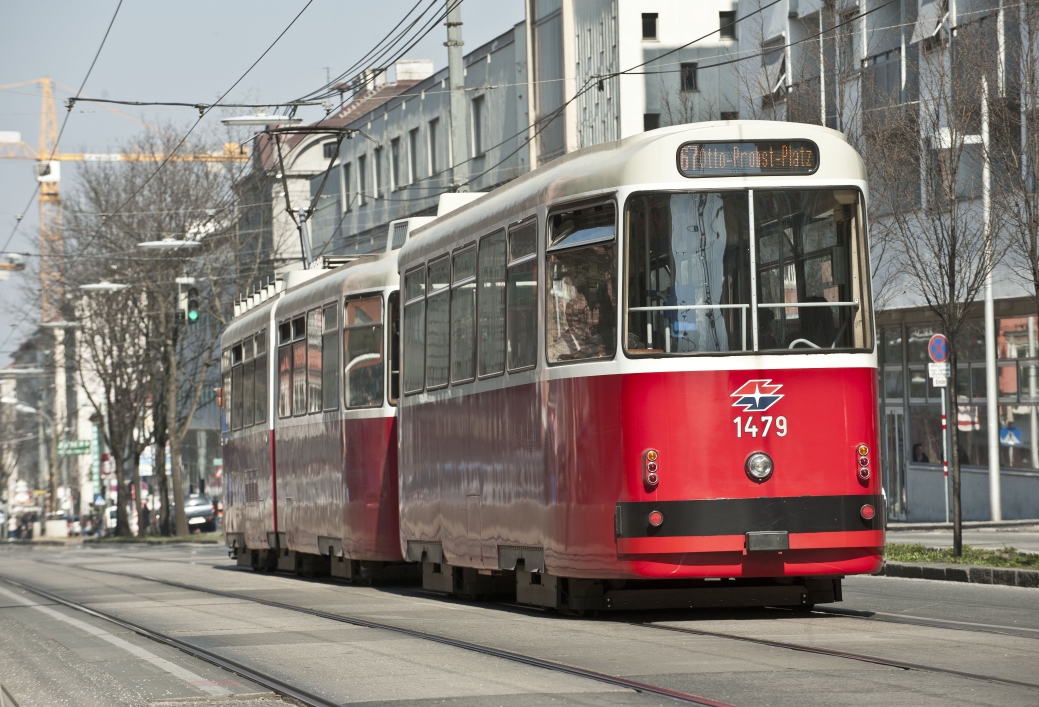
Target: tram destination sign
[(758, 158)]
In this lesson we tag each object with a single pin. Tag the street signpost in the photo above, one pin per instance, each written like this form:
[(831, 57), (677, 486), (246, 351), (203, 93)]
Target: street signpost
[(73, 447), (939, 371)]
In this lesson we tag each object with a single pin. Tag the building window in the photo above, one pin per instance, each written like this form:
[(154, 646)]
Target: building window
[(329, 149), (413, 156), (395, 175), (846, 44), (479, 129), (362, 179), (727, 21), (651, 121), (730, 115), (348, 195), (649, 25), (688, 74), (434, 161), (377, 186)]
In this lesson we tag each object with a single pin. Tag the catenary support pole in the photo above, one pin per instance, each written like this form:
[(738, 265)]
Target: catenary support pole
[(991, 377), (456, 78)]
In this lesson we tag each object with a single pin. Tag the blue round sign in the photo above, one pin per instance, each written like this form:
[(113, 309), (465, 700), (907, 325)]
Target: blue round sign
[(938, 348)]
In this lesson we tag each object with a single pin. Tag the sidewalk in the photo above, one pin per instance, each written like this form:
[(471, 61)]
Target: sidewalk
[(894, 525)]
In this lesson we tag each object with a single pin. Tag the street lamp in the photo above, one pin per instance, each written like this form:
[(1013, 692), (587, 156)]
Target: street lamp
[(261, 118), (103, 286), (169, 243)]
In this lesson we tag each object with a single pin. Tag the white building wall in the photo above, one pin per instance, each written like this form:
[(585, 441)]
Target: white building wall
[(651, 88)]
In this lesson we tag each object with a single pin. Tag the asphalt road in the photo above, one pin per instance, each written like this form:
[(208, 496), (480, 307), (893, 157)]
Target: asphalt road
[(948, 629), (1022, 538)]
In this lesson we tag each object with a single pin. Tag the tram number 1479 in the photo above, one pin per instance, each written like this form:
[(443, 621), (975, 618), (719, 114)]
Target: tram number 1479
[(750, 426)]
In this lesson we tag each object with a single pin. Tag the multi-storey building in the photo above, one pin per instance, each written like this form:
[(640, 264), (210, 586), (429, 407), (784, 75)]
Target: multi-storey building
[(901, 79)]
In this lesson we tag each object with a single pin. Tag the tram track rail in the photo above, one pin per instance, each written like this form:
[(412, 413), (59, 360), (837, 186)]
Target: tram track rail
[(846, 655), (271, 682), (930, 622), (833, 653), (878, 616), (6, 700)]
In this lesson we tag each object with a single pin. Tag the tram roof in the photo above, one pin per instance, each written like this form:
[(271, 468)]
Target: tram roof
[(365, 274), (648, 158)]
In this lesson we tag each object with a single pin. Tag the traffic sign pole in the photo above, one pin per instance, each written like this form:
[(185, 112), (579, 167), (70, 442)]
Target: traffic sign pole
[(945, 455), (939, 371)]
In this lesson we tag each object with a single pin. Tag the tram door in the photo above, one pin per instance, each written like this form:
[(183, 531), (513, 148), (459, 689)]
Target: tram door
[(894, 460)]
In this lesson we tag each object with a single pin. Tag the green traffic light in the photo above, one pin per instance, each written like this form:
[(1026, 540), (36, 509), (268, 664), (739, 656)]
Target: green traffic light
[(192, 315)]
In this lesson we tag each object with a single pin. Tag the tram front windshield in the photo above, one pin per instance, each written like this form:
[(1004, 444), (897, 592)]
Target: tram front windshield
[(690, 265)]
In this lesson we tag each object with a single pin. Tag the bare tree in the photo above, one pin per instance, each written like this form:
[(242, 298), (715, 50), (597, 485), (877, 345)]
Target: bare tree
[(115, 207), (938, 230)]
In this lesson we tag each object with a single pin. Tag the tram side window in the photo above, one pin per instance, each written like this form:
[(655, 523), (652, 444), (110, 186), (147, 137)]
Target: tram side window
[(438, 332), (363, 352), (248, 382), (490, 303), (393, 307), (285, 370), (330, 359), (315, 371), (688, 273), (299, 366), (414, 330), (225, 412), (463, 316), (260, 382), (522, 297), (581, 301), (236, 387)]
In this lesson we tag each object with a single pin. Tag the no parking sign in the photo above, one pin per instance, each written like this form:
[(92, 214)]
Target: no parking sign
[(938, 350)]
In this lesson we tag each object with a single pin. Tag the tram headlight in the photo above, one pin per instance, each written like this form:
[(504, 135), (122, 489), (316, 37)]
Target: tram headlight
[(759, 466)]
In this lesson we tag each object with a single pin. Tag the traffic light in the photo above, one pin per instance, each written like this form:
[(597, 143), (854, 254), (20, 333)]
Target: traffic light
[(187, 300), (192, 306)]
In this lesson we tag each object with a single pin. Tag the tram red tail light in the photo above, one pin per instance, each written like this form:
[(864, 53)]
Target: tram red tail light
[(863, 471), (650, 468), (867, 512), (656, 518)]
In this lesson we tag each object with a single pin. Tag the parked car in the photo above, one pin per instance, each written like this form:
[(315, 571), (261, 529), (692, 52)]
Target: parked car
[(200, 512)]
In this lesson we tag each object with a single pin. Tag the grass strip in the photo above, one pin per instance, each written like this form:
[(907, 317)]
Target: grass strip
[(1006, 557), (217, 537)]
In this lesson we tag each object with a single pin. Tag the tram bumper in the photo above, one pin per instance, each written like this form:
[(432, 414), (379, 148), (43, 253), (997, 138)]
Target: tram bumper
[(753, 537)]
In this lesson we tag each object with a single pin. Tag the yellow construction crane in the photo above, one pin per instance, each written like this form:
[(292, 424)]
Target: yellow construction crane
[(48, 174)]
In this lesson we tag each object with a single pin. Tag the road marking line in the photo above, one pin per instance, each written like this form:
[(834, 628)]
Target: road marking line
[(208, 686)]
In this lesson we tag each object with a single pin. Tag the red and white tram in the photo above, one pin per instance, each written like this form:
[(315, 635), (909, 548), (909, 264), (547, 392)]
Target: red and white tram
[(310, 434), (641, 375)]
